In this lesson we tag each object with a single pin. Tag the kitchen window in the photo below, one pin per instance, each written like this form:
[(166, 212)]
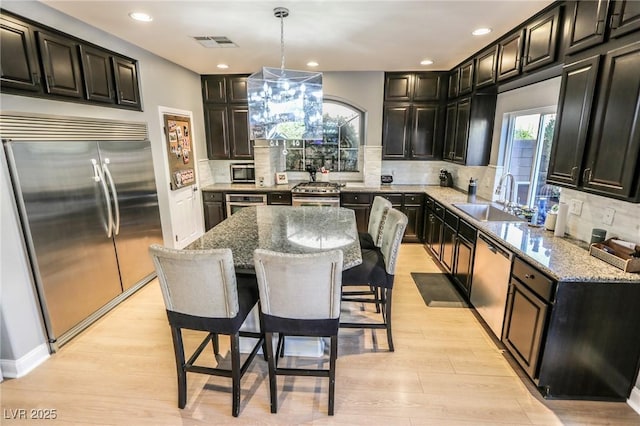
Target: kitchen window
[(527, 154), (343, 126)]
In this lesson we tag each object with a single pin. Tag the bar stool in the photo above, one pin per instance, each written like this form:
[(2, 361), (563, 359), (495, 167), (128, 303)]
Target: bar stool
[(202, 292), (299, 296), (377, 270)]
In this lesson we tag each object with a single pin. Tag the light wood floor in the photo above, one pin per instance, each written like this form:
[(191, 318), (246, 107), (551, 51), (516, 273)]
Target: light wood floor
[(446, 370)]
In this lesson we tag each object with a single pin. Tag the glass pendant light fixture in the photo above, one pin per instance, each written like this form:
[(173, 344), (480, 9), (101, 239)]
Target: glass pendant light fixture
[(285, 104)]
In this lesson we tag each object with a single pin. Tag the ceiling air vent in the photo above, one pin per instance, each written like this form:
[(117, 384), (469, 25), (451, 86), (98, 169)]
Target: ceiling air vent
[(215, 41)]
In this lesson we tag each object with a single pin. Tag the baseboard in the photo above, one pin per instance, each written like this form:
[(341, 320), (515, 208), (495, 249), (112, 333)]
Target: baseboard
[(17, 368), (634, 399)]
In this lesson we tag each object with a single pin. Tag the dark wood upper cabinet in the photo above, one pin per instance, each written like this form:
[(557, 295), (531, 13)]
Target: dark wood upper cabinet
[(61, 65), (625, 17), (126, 76), (574, 111), (465, 83), (216, 128), (398, 87), (214, 88), (486, 67), (425, 142), (541, 37), (463, 116), (242, 148), (453, 83), (509, 54), (18, 56), (97, 74), (450, 131), (587, 22), (427, 87), (237, 89), (395, 130), (611, 166)]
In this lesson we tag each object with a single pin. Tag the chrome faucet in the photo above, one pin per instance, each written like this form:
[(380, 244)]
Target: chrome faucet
[(508, 202)]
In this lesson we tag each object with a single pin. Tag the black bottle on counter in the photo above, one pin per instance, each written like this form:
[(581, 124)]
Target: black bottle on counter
[(472, 190)]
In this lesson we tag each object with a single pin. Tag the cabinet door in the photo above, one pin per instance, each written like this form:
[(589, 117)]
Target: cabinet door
[(61, 65), (398, 87), (625, 17), (509, 52), (237, 86), (525, 319), (448, 247), (217, 134), (426, 87), (127, 90), (486, 67), (414, 226), (435, 239), (611, 165), (587, 22), (463, 264), (395, 131), (214, 88), (466, 78), (97, 74), (425, 143), (213, 214), (453, 84), (450, 131), (463, 116), (540, 41), (362, 215), (19, 60), (241, 146), (574, 112)]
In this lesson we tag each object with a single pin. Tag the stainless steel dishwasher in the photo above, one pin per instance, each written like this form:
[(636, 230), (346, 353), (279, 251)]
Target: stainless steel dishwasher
[(491, 270)]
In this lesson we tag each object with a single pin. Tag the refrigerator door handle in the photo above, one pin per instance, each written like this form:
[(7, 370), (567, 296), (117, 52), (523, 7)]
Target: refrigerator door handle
[(99, 177), (112, 185)]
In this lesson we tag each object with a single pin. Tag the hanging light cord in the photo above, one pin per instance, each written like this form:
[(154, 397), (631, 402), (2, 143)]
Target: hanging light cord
[(282, 42)]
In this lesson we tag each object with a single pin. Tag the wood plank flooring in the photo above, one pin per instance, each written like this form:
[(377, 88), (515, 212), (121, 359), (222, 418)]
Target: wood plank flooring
[(446, 370)]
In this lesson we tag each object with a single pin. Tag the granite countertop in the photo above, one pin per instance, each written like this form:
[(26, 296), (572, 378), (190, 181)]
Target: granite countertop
[(564, 259), (284, 229)]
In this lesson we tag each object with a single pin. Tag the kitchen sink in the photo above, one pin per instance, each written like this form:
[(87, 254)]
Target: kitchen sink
[(487, 213)]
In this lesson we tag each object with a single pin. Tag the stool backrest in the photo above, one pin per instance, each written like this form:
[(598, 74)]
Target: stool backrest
[(377, 216), (197, 282), (392, 232), (299, 286)]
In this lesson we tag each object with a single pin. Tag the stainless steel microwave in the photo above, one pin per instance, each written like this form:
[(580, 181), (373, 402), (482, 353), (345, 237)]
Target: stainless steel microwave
[(243, 173)]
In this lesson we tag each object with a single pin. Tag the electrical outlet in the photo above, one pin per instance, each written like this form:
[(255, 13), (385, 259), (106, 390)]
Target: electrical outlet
[(607, 217), (575, 207)]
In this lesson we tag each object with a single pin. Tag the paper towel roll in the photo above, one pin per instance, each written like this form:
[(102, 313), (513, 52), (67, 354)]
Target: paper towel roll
[(561, 221)]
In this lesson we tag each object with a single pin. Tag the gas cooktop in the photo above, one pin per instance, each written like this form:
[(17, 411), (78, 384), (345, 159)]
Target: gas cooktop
[(316, 188)]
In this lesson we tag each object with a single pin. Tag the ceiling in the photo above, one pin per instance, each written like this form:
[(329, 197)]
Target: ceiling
[(360, 35)]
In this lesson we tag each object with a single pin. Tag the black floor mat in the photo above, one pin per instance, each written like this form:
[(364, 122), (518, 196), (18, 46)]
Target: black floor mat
[(438, 291)]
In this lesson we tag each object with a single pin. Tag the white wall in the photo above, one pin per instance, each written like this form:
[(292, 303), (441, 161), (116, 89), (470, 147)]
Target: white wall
[(162, 83)]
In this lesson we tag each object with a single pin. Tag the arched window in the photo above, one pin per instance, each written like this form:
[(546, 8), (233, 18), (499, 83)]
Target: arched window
[(338, 150)]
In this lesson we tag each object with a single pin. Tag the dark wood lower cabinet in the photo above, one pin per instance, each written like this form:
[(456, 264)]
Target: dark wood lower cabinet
[(360, 203), (213, 204)]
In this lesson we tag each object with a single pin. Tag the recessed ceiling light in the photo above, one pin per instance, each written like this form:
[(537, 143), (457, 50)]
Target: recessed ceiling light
[(140, 16), (481, 31), (312, 64), (223, 66), (426, 62)]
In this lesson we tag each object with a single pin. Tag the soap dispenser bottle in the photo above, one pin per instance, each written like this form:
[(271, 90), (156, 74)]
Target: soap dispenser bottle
[(472, 190)]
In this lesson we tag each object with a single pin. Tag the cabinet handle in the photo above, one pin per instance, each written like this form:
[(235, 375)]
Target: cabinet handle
[(529, 276), (574, 171), (598, 25), (613, 23), (586, 175), (49, 81)]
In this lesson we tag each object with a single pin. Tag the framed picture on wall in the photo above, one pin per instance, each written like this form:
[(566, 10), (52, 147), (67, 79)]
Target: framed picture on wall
[(281, 177)]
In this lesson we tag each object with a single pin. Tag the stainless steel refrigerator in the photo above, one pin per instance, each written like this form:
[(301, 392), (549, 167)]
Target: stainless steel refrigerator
[(89, 211)]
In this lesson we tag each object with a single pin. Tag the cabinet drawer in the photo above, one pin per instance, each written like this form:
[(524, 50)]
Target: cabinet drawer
[(467, 231), (533, 278), (355, 198), (212, 196), (396, 199), (438, 210), (282, 198), (412, 199), (451, 219), (429, 202)]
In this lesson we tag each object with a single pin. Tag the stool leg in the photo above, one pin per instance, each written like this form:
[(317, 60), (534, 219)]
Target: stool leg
[(271, 361), (332, 372), (235, 373), (387, 317), (178, 349)]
